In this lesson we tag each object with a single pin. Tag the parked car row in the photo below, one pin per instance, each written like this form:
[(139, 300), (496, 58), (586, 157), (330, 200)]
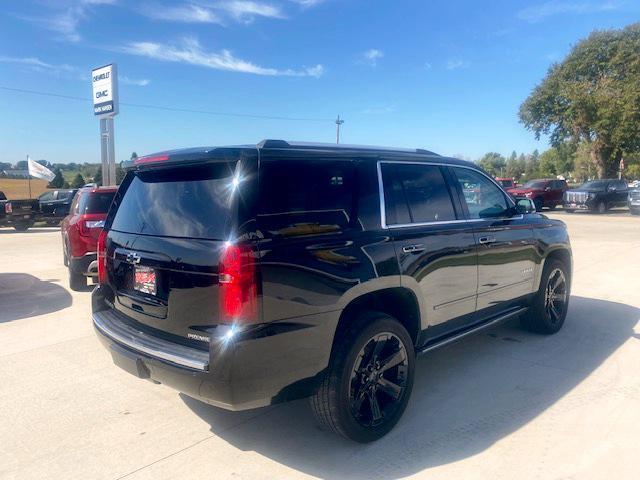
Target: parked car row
[(594, 196)]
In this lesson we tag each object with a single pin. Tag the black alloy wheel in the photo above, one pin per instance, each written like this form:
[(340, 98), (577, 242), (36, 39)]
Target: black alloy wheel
[(378, 379), (367, 385), (556, 296), (549, 307)]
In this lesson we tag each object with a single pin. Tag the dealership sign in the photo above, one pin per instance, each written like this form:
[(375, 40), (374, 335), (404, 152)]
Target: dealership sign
[(105, 90)]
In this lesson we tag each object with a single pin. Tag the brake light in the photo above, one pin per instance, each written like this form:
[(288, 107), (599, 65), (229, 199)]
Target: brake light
[(102, 257), (8, 208), (238, 285), (151, 159)]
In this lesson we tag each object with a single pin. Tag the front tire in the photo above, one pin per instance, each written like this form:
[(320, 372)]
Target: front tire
[(369, 381), (550, 305)]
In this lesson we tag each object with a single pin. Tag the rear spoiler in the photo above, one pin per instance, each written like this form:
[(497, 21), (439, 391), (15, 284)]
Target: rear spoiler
[(187, 156)]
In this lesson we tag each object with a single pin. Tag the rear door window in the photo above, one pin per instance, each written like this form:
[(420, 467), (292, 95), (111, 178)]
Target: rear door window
[(416, 194), (193, 202), (303, 197), (98, 202)]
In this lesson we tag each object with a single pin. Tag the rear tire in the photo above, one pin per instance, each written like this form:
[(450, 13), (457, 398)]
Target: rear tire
[(369, 380), (549, 307), (22, 227), (77, 281)]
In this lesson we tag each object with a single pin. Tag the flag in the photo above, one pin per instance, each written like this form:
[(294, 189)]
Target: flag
[(40, 171)]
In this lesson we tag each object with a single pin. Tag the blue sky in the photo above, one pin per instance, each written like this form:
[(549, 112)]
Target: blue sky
[(446, 76)]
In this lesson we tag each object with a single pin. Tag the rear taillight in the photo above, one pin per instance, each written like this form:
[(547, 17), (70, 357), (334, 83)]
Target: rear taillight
[(238, 285), (8, 208), (102, 257), (151, 159)]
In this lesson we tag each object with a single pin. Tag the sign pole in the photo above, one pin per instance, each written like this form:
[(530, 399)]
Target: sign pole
[(105, 107), (107, 151)]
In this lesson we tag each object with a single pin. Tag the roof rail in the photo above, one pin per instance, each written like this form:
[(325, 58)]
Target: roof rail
[(270, 143)]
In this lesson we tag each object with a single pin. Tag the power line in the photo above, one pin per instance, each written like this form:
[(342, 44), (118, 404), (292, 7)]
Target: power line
[(172, 109)]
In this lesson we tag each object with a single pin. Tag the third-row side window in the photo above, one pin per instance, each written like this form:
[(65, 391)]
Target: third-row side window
[(415, 194)]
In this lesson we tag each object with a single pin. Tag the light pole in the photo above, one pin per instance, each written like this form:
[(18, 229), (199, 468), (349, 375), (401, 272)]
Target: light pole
[(338, 123)]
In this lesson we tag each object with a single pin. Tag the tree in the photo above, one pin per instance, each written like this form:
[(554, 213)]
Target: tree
[(58, 180), (557, 160), (78, 181), (592, 96), (134, 156), (21, 165), (493, 163), (120, 173), (97, 179)]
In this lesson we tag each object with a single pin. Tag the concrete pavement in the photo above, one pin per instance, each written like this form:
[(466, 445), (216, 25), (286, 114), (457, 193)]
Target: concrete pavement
[(503, 404)]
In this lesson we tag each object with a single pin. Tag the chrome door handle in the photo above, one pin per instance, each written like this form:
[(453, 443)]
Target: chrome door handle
[(486, 240), (413, 248)]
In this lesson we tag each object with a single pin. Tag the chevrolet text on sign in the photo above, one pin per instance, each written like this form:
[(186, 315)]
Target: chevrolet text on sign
[(105, 90)]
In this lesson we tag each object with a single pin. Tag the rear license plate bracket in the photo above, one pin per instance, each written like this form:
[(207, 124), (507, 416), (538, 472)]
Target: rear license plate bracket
[(144, 280)]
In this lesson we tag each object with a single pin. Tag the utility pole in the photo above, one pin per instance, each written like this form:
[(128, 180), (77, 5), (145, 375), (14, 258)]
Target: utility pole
[(338, 123)]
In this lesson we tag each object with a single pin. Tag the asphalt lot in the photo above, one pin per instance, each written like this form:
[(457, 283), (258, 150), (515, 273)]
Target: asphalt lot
[(503, 404)]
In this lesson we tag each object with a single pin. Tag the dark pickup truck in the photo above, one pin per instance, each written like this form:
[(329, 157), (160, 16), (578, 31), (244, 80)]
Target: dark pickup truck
[(55, 204), (597, 196), (19, 214)]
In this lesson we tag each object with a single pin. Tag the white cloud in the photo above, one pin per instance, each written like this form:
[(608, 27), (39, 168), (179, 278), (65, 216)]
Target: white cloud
[(184, 13), (37, 64), (372, 56), (537, 13), (64, 17), (308, 3), (455, 64), (142, 82), (191, 52), (246, 10), (213, 12)]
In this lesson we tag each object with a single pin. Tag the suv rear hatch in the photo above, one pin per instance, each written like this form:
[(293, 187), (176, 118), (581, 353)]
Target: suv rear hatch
[(167, 232)]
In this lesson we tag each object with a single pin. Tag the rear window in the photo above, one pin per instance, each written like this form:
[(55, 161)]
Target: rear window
[(192, 202), (95, 202), (301, 197)]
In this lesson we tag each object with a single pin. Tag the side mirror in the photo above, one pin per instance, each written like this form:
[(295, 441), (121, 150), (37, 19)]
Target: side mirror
[(525, 205)]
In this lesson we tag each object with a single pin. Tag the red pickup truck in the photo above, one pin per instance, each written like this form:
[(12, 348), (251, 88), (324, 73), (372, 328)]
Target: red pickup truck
[(544, 192)]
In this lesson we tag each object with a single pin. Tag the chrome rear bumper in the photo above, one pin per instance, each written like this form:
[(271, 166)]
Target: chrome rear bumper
[(107, 324)]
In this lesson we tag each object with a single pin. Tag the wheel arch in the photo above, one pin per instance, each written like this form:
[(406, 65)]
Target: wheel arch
[(398, 302), (562, 254)]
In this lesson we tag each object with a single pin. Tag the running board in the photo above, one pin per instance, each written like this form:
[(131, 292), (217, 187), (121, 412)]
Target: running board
[(476, 329)]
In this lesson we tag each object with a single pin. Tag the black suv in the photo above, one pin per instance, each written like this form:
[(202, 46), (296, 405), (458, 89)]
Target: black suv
[(246, 276), (597, 196)]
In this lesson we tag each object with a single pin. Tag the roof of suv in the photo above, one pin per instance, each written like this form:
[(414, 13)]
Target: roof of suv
[(106, 189), (284, 146)]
